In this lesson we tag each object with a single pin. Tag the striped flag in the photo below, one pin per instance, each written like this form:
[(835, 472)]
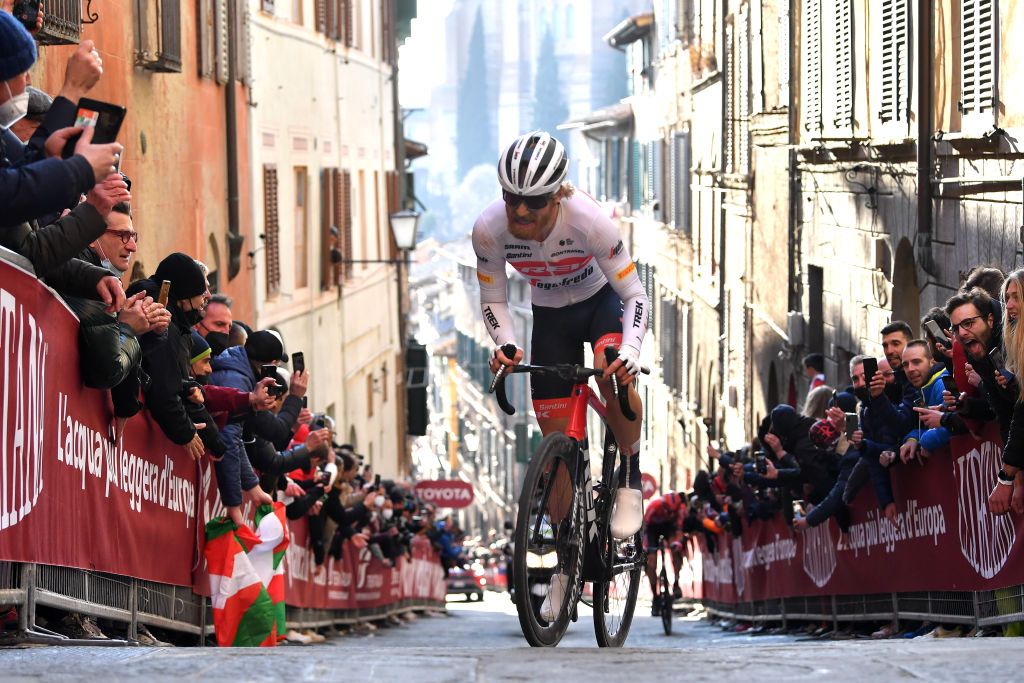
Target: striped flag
[(243, 613), (268, 557)]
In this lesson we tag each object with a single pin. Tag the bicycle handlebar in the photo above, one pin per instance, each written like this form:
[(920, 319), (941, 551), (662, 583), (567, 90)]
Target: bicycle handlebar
[(573, 373)]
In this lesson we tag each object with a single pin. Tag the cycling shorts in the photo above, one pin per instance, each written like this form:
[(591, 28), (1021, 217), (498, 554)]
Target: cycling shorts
[(559, 335), (655, 531)]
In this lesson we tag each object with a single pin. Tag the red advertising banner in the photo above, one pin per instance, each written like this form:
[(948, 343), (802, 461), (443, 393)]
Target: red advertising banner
[(446, 493), (944, 538), (68, 495)]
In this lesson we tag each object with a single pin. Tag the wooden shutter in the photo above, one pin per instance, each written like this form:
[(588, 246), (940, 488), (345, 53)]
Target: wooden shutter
[(394, 205), (271, 231), (343, 216), (206, 38), (811, 96), (742, 93), (221, 33), (320, 9), (729, 124), (680, 179), (895, 61), (326, 221), (346, 22), (843, 40), (979, 57), (387, 32)]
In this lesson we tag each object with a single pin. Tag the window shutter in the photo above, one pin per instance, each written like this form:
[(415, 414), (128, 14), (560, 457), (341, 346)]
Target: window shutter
[(783, 34), (978, 62), (811, 96), (243, 44), (326, 221), (681, 180), (348, 22), (843, 38), (206, 23), (654, 170), (635, 176), (729, 124), (345, 216), (895, 61), (271, 231), (320, 7), (221, 18), (668, 340), (742, 92), (646, 274)]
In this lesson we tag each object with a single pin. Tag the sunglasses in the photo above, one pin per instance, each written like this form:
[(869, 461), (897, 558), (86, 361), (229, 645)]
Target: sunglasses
[(534, 203), (125, 235)]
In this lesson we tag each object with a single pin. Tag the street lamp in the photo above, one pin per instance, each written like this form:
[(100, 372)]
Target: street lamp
[(403, 226)]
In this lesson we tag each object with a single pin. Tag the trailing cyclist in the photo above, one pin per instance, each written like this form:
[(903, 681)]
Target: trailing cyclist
[(664, 518), (584, 289)]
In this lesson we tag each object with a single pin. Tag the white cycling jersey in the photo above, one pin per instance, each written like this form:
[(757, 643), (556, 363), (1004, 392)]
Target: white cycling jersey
[(583, 252)]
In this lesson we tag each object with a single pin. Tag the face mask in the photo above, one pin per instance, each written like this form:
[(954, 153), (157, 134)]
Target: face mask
[(863, 394), (14, 109), (388, 514), (105, 263), (378, 501)]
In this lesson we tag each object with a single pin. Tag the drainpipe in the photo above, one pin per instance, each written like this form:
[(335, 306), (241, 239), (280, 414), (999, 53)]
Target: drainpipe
[(793, 296), (234, 239), (723, 343), (925, 52)]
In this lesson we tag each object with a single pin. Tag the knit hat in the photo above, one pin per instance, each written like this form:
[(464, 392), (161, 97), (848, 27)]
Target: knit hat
[(17, 49), (200, 349), (187, 279), (264, 346), (784, 420), (846, 401)]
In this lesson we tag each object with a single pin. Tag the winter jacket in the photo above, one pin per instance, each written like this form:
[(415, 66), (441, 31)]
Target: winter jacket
[(931, 395), (833, 502), (169, 370), (232, 369)]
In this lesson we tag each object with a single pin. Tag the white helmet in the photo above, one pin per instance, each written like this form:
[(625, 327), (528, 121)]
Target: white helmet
[(534, 164)]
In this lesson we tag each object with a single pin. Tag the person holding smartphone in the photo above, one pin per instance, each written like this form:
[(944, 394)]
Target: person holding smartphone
[(1008, 492)]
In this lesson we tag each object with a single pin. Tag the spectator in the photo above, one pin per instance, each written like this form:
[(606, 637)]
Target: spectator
[(239, 367), (814, 369), (817, 402), (895, 336), (925, 376), (169, 367), (987, 278), (216, 322), (1008, 492), (883, 423), (942, 346), (830, 435)]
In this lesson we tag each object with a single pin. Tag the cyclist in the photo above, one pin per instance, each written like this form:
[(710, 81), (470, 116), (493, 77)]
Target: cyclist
[(664, 518), (584, 289)]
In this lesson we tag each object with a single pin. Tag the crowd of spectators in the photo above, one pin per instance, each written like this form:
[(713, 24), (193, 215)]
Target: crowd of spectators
[(954, 372), (165, 345)]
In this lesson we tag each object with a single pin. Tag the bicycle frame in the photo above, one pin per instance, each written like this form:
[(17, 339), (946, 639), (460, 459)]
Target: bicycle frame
[(583, 395)]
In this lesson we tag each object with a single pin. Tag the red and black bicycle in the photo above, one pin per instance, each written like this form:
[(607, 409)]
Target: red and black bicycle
[(563, 538)]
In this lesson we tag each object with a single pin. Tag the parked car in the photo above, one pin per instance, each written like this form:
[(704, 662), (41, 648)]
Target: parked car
[(467, 581)]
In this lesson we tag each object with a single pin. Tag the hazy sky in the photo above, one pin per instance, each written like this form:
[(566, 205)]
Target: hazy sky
[(421, 60)]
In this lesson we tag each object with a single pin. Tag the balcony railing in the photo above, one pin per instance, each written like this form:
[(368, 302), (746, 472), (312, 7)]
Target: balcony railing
[(62, 22)]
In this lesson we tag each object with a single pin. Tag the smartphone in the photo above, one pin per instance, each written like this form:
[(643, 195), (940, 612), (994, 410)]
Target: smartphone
[(937, 332), (271, 371), (870, 369), (27, 13), (105, 118), (298, 362), (949, 384), (999, 362), (305, 401), (376, 481), (852, 424), (165, 291)]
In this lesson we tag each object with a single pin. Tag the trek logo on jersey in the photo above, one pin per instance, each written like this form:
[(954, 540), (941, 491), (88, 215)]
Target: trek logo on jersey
[(484, 278), (616, 250), (553, 268), (625, 272), (638, 314), (492, 319)]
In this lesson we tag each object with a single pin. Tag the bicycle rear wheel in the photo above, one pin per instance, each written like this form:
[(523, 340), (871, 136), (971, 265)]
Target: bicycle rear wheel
[(667, 600), (615, 597), (549, 540)]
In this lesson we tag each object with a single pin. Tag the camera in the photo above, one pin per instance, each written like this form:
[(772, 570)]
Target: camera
[(270, 371)]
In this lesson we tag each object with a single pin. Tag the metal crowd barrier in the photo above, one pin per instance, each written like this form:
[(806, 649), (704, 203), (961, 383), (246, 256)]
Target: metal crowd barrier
[(137, 601), (979, 609)]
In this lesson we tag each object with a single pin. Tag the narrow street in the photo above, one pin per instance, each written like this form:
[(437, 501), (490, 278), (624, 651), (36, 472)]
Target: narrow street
[(481, 642)]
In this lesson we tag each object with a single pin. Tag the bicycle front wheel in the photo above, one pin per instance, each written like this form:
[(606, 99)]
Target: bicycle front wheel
[(615, 597), (549, 542)]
